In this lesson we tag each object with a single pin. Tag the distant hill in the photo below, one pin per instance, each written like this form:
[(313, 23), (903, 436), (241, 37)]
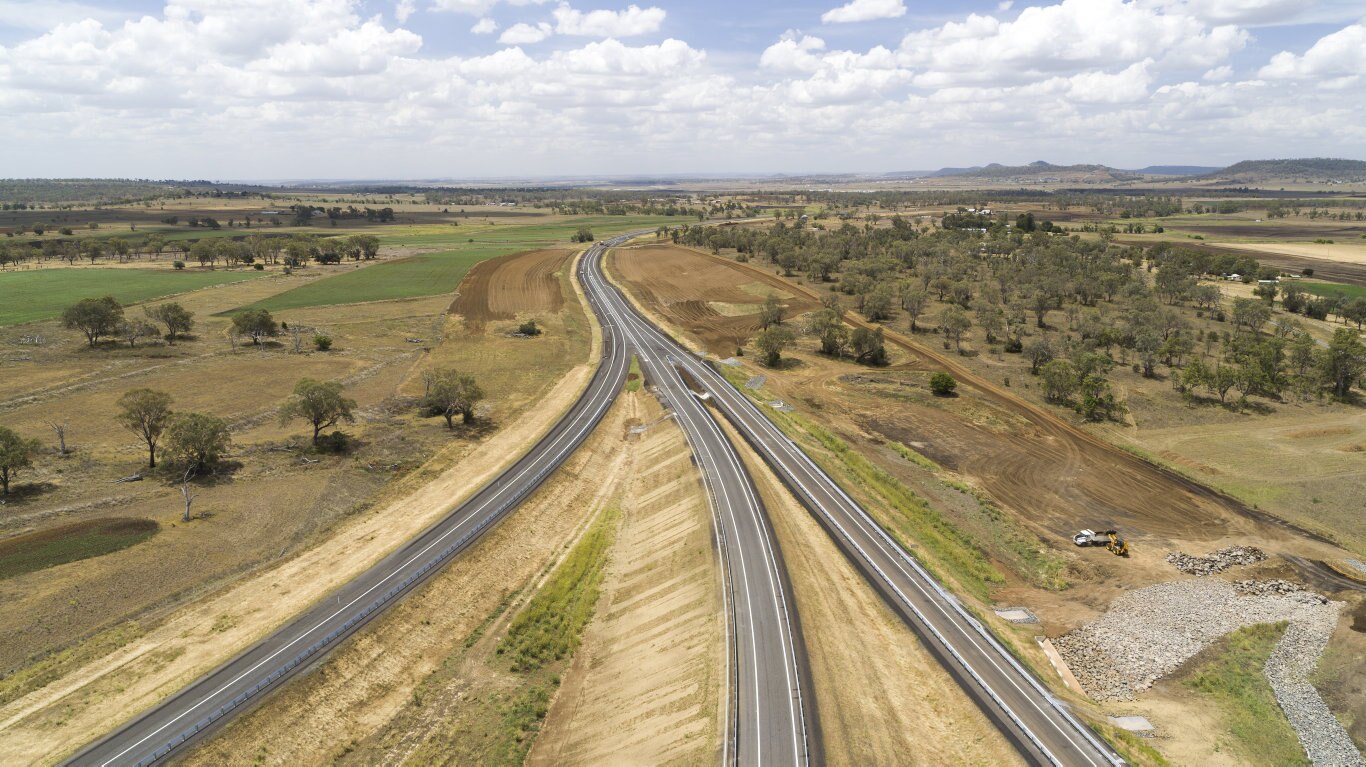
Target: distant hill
[(1311, 168), (1177, 170), (1041, 172)]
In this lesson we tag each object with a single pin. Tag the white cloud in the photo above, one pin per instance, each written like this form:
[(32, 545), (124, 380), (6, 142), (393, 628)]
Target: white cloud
[(1073, 35), (1340, 54), (864, 10), (631, 22), (795, 52), (525, 34), (309, 84), (484, 26), (404, 10), (1005, 5)]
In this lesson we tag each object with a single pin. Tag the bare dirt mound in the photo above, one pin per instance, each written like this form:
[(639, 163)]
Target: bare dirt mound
[(501, 287), (685, 286)]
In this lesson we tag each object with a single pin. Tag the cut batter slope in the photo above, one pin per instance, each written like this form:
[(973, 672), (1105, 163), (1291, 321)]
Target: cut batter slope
[(500, 288), (646, 686)]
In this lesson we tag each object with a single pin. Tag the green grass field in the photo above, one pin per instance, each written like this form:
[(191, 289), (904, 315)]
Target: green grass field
[(1332, 288), (427, 274), (43, 294), (70, 543), (430, 274)]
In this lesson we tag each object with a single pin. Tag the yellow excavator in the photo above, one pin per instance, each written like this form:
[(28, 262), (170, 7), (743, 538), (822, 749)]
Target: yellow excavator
[(1108, 538)]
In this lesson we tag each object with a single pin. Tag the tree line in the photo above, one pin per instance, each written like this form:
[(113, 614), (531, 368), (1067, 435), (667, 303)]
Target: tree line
[(1075, 307)]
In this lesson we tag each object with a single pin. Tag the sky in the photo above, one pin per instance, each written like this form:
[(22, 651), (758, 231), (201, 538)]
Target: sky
[(466, 89)]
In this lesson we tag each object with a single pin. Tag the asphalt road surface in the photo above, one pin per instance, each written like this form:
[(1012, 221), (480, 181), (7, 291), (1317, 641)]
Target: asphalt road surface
[(206, 704), (770, 704), (1041, 726)]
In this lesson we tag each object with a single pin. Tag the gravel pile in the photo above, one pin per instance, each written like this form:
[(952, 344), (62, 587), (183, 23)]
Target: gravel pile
[(1288, 669), (1217, 562), (1150, 632)]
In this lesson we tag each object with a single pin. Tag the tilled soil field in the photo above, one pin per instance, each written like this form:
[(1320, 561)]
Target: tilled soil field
[(684, 285), (499, 288)]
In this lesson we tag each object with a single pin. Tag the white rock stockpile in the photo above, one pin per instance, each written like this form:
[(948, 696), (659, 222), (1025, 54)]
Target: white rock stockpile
[(1216, 562), (1150, 632)]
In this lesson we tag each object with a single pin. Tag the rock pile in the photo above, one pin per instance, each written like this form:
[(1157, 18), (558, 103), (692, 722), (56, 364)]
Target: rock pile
[(1278, 587), (1149, 633), (1217, 562)]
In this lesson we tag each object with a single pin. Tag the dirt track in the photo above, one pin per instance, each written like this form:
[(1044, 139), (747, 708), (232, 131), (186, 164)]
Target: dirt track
[(686, 287), (501, 287), (1049, 472)]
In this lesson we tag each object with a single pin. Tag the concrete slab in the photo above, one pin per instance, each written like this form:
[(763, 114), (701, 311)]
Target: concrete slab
[(1016, 614), (1134, 723)]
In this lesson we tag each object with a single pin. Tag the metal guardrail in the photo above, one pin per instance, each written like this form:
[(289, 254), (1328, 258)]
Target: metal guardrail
[(944, 594), (357, 618)]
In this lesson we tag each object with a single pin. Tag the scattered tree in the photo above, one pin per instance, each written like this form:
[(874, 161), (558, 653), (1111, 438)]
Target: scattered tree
[(450, 392), (96, 317), (771, 343), (59, 429), (826, 326), (771, 313), (320, 403), (177, 320), (16, 453), (955, 322), (1344, 361), (867, 346), (255, 324), (198, 440), (146, 413), (132, 330)]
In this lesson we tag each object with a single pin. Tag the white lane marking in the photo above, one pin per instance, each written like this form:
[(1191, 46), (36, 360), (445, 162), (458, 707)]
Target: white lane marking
[(786, 638), (349, 605), (766, 424), (895, 559), (779, 600), (692, 434)]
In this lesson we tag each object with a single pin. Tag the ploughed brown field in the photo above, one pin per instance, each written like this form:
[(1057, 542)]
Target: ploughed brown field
[(498, 288)]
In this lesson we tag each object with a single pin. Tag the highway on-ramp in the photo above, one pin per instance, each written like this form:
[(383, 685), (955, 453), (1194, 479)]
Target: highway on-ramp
[(207, 703), (1040, 725), (771, 717)]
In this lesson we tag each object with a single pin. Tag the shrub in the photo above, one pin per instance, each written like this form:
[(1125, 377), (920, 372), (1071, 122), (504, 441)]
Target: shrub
[(529, 328), (179, 264), (942, 384), (322, 343), (259, 267)]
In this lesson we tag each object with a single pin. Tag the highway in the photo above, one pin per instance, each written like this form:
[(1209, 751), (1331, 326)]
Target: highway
[(206, 704), (771, 706), (771, 712), (1042, 728)]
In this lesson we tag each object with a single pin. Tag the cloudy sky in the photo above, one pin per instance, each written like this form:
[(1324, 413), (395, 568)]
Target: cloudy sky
[(289, 89)]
